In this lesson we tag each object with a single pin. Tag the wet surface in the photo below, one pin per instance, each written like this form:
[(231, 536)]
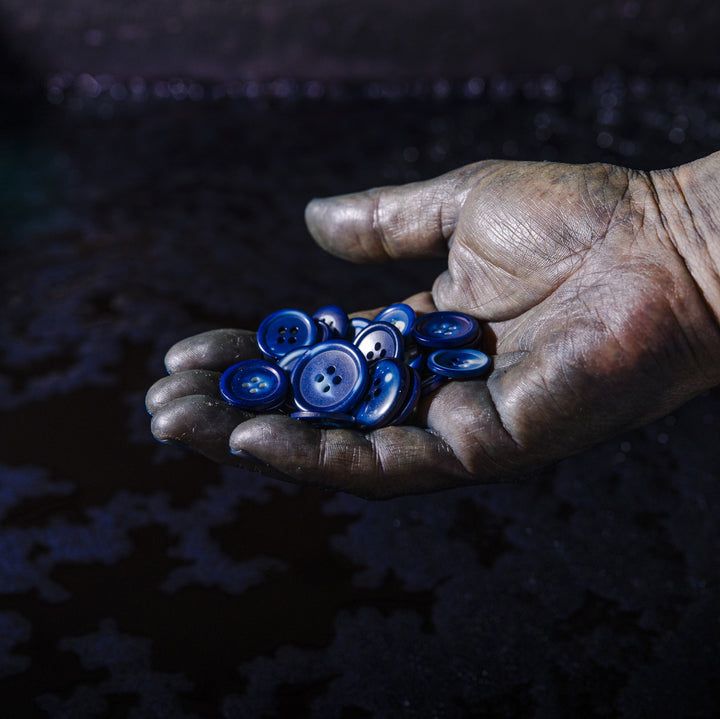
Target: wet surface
[(137, 580)]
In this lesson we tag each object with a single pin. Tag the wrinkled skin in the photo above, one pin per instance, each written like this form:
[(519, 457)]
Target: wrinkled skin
[(594, 322)]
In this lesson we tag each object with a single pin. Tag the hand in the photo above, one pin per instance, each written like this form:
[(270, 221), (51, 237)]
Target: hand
[(594, 322)]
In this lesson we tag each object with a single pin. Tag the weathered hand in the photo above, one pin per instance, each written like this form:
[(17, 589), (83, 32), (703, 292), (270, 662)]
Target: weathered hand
[(590, 313)]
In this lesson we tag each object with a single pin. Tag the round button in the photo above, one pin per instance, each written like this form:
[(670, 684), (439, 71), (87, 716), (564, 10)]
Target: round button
[(431, 383), (288, 361), (335, 318), (330, 377), (326, 420), (446, 329), (256, 385), (385, 394), (412, 399), (324, 332), (357, 324), (459, 363), (400, 315), (413, 357), (379, 340), (285, 330)]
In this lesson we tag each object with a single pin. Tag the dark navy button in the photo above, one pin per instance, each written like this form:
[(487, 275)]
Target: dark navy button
[(385, 394), (400, 315), (256, 385), (324, 332), (459, 363), (335, 318), (413, 357), (326, 420), (285, 330), (330, 377), (288, 361), (412, 396), (357, 324), (446, 329), (431, 383), (379, 340)]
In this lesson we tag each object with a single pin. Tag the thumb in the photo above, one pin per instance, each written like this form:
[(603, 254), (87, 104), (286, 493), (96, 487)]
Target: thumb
[(390, 223)]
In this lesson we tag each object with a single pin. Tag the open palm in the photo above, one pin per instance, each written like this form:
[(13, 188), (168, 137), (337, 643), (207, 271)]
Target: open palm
[(590, 315)]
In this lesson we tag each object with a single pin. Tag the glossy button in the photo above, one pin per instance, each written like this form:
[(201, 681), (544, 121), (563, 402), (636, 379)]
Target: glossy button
[(385, 394), (400, 315), (446, 329), (324, 332), (330, 377), (288, 361), (379, 340), (431, 383), (357, 324), (460, 363), (256, 385), (326, 420), (285, 330), (412, 397), (335, 318)]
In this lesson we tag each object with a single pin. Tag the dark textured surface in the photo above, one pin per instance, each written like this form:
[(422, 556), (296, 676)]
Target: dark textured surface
[(263, 39), (140, 581)]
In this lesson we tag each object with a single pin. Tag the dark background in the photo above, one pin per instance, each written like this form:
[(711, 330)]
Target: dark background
[(155, 159)]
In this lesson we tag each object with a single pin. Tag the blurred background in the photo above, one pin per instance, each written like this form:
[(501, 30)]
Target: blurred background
[(155, 160)]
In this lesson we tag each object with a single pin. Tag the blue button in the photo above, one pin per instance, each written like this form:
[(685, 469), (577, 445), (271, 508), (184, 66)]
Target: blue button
[(256, 385), (385, 394), (412, 398), (324, 332), (413, 357), (446, 329), (326, 420), (330, 377), (379, 340), (400, 315), (288, 361), (459, 363), (431, 383), (285, 330), (357, 324), (335, 318)]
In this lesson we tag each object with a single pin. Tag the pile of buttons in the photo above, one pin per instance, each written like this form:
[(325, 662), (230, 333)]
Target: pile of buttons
[(333, 371)]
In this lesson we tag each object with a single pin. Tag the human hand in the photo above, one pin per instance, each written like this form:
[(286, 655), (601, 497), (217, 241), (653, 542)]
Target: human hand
[(594, 321)]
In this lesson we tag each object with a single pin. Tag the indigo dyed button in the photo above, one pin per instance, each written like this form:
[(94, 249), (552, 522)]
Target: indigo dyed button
[(413, 357), (385, 394), (288, 361), (256, 385), (357, 324), (326, 420), (324, 332), (412, 397), (446, 329), (285, 330), (400, 315), (459, 363), (330, 377), (379, 340), (431, 383), (335, 318)]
